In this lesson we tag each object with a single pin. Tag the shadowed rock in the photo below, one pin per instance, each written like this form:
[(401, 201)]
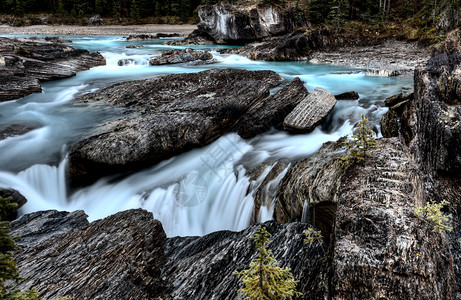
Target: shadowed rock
[(348, 96), (11, 130), (310, 112), (16, 197)]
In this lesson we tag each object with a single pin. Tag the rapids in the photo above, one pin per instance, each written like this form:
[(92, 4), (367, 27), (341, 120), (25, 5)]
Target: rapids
[(197, 192)]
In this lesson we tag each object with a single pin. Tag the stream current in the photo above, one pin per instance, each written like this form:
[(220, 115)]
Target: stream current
[(195, 193)]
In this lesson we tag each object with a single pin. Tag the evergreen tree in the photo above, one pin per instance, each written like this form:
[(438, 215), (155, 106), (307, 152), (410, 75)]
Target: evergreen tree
[(362, 141), (264, 280)]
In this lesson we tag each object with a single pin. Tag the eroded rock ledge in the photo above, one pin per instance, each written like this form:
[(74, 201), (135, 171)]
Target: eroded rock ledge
[(24, 63)]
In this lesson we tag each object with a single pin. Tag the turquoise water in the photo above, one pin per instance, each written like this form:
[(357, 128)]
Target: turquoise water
[(187, 195)]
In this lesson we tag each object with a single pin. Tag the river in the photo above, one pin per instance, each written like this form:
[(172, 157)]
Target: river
[(197, 192)]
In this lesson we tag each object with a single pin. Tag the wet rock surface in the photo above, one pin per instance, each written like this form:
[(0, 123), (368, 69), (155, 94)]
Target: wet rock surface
[(165, 116), (310, 112), (118, 257), (182, 56), (240, 23), (12, 130), (26, 62)]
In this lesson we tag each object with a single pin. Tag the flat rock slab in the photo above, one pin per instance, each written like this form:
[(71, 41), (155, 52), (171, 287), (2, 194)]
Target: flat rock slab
[(165, 116), (310, 112)]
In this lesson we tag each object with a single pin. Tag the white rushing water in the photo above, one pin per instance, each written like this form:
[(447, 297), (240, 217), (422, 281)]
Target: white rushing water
[(197, 192)]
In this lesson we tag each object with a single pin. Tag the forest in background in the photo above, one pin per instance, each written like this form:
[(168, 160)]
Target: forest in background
[(436, 15)]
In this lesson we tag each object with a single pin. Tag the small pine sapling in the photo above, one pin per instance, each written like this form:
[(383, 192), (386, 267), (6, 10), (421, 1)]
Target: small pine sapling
[(432, 214), (264, 280), (362, 142)]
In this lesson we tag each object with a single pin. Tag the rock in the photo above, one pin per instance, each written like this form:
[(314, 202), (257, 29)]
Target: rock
[(196, 37), (393, 100), (42, 225), (348, 96), (145, 37), (390, 126), (381, 249), (95, 20), (126, 61), (383, 72), (438, 110), (11, 130), (310, 112), (225, 252), (297, 45), (312, 183), (134, 46), (181, 56), (165, 116), (118, 257), (26, 62), (16, 197), (242, 23), (271, 111)]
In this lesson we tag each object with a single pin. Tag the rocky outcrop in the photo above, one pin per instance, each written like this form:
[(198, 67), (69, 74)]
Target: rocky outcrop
[(381, 250), (119, 257), (348, 96), (26, 62), (271, 111), (182, 56), (164, 117), (244, 22), (225, 252), (310, 112), (298, 45), (127, 256)]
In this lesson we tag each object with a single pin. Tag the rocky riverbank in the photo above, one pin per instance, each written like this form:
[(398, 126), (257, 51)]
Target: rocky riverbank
[(24, 63)]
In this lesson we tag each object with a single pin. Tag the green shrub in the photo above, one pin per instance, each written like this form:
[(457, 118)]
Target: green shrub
[(432, 214), (263, 280), (312, 236)]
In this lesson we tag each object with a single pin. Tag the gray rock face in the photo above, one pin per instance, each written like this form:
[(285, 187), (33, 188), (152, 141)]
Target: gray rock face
[(181, 56), (242, 23), (310, 112), (26, 62), (39, 226), (15, 129), (201, 268), (313, 182), (381, 249), (271, 111), (166, 116), (118, 257)]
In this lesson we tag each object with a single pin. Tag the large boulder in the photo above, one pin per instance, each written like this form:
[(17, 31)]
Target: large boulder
[(310, 112), (271, 111), (118, 257), (244, 22), (26, 62), (165, 116)]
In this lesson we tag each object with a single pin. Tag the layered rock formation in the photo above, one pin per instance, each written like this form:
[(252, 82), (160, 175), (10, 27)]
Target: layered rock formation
[(244, 22), (165, 116), (118, 257), (26, 62), (310, 112)]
